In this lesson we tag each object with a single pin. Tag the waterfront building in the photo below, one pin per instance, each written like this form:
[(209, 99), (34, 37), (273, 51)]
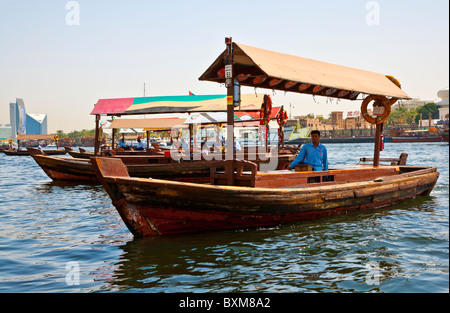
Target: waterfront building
[(411, 104), (443, 104)]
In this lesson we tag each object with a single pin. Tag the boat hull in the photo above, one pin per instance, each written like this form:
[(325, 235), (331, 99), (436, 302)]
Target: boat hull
[(81, 170), (160, 207), (70, 169), (417, 139), (26, 153)]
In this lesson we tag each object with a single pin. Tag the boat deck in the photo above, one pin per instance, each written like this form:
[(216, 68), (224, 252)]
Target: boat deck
[(247, 175)]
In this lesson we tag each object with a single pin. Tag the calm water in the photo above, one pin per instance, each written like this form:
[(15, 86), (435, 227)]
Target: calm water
[(68, 238)]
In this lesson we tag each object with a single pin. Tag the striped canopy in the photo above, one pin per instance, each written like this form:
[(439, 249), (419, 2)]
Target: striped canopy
[(174, 104)]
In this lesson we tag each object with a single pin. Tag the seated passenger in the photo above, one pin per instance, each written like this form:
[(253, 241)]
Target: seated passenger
[(140, 145), (123, 145)]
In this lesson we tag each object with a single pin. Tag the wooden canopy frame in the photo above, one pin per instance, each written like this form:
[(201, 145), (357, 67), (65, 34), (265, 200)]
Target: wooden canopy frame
[(254, 67)]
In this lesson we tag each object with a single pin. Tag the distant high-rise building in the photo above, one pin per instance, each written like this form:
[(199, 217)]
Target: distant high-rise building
[(23, 123), (17, 118), (36, 124)]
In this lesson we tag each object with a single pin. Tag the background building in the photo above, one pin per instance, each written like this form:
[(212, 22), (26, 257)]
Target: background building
[(17, 118), (36, 124), (23, 123), (411, 104), (5, 131), (443, 104)]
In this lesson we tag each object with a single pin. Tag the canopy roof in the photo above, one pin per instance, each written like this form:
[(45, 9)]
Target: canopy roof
[(173, 104), (35, 137), (148, 123), (267, 69), (221, 117)]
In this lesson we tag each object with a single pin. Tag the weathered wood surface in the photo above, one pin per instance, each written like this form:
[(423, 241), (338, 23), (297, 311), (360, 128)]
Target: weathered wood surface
[(152, 207)]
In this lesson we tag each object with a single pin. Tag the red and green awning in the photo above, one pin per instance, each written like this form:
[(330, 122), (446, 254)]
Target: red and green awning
[(174, 104)]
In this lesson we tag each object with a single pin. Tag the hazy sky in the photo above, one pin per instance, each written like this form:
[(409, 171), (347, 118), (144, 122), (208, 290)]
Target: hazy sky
[(60, 62)]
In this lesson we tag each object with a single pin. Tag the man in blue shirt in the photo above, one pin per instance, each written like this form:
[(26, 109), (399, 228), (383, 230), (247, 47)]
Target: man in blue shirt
[(313, 153), (140, 145), (122, 144)]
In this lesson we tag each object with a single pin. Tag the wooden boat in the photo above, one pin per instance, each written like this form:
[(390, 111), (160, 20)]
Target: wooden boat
[(445, 135), (84, 154), (240, 196), (418, 136), (443, 131), (26, 153), (152, 207), (81, 154), (81, 170)]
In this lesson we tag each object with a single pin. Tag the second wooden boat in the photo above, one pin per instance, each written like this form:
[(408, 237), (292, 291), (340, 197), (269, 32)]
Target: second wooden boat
[(81, 170), (26, 153), (418, 136)]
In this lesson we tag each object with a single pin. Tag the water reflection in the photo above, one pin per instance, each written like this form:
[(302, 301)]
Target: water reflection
[(329, 255)]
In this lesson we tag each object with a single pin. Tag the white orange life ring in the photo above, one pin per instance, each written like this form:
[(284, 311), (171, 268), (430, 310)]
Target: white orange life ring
[(397, 83), (394, 80), (385, 102), (268, 102)]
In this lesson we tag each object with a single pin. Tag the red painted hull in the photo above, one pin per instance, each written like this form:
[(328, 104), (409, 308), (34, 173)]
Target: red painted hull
[(160, 207), (169, 220), (417, 139)]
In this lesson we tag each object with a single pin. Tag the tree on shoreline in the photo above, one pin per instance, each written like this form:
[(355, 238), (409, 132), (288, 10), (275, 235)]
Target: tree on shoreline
[(428, 110), (401, 116), (76, 135)]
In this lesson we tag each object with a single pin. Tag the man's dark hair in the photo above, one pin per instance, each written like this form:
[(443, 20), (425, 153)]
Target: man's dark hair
[(315, 132)]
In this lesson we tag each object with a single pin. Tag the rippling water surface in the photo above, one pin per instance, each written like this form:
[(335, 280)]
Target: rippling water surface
[(58, 237)]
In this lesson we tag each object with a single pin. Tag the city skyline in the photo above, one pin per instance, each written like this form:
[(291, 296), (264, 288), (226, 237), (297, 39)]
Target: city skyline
[(62, 56)]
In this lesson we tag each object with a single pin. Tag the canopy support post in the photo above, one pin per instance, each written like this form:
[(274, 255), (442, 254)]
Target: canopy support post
[(266, 123), (191, 140), (230, 113), (113, 139), (97, 134), (281, 129), (376, 156)]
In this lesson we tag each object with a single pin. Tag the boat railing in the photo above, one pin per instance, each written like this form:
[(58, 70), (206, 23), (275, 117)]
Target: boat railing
[(243, 173), (401, 160)]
